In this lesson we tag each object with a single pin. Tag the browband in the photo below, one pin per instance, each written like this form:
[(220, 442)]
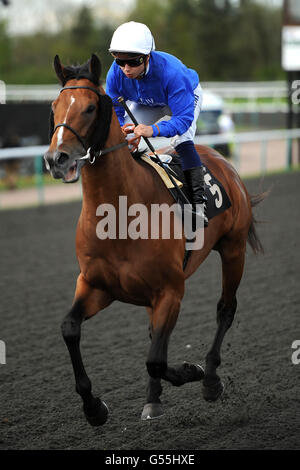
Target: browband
[(82, 86)]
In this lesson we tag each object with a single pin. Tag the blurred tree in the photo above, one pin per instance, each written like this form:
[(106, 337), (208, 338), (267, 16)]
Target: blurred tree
[(221, 39), (215, 28), (255, 46), (84, 38), (29, 58), (154, 13), (5, 51), (181, 31), (104, 35), (83, 27)]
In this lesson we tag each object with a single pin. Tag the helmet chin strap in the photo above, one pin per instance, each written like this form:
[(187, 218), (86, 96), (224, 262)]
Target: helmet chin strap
[(145, 68)]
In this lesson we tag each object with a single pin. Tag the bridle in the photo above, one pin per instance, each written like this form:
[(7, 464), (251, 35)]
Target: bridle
[(98, 153)]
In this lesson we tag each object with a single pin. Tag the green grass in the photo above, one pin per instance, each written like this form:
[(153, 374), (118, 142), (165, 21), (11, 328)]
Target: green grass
[(29, 181), (256, 100), (293, 169)]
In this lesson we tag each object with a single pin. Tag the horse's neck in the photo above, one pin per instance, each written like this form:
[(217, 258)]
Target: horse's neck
[(112, 175)]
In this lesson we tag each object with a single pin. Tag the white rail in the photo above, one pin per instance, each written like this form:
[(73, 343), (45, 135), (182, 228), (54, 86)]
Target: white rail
[(215, 139), (263, 137), (228, 90), (249, 90), (21, 93), (23, 152)]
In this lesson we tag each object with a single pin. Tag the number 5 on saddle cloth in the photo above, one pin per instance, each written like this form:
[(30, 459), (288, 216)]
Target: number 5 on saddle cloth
[(217, 198)]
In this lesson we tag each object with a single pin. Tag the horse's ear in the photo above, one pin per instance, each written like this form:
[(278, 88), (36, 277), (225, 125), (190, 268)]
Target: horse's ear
[(95, 66), (59, 69)]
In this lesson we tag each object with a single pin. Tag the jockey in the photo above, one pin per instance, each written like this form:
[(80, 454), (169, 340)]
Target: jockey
[(158, 84)]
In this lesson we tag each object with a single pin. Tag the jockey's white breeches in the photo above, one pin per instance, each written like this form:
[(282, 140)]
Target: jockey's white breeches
[(149, 115)]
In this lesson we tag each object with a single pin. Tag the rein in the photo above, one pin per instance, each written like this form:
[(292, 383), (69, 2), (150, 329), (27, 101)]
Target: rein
[(101, 152), (97, 153)]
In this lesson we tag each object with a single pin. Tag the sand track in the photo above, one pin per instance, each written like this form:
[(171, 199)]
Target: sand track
[(260, 406)]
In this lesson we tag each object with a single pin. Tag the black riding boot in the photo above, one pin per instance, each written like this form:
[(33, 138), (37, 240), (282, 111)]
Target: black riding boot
[(195, 180)]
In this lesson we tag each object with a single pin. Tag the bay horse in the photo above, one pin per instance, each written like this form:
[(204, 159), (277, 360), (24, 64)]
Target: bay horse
[(87, 140)]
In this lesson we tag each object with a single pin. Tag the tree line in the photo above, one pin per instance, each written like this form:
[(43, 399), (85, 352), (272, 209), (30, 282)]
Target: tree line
[(221, 39)]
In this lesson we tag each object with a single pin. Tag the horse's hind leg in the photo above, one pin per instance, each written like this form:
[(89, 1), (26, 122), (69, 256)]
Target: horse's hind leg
[(153, 407), (233, 256), (162, 321), (87, 302), (163, 318)]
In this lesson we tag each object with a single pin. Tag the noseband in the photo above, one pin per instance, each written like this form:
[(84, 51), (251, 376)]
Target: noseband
[(100, 152)]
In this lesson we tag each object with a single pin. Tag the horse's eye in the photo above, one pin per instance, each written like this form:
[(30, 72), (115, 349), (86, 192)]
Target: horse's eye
[(90, 109)]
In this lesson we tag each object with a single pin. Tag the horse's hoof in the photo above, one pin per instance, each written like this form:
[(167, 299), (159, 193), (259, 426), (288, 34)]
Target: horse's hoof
[(213, 392), (189, 373), (99, 413), (195, 372), (152, 411)]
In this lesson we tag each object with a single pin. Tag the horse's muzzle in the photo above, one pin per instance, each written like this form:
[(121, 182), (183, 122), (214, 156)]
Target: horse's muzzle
[(63, 166), (56, 163)]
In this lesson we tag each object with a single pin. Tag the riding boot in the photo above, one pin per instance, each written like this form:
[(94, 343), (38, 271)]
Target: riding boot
[(195, 180)]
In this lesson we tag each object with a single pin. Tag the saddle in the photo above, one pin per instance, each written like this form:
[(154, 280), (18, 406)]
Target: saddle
[(217, 198)]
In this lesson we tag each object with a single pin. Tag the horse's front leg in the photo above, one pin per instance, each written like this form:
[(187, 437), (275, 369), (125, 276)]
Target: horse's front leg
[(88, 302)]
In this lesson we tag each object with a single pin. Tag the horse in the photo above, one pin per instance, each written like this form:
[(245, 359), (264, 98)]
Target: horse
[(86, 140)]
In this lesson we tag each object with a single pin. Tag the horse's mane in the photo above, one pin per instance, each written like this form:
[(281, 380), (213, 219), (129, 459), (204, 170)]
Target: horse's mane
[(79, 71)]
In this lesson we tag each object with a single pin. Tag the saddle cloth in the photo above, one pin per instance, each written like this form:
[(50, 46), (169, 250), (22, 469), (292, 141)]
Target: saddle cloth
[(217, 198)]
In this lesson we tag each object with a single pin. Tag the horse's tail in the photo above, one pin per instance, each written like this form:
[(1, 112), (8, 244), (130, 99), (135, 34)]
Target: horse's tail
[(253, 238)]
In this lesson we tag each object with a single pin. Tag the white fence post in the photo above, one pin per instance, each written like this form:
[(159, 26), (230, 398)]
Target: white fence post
[(263, 156), (2, 352), (2, 92)]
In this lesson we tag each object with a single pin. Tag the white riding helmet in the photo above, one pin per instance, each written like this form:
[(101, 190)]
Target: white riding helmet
[(132, 37)]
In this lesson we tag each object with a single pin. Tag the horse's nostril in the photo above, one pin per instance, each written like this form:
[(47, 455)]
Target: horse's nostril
[(62, 158)]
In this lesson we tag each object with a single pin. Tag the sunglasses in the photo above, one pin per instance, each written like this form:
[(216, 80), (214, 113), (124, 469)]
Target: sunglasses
[(136, 62)]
